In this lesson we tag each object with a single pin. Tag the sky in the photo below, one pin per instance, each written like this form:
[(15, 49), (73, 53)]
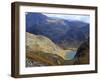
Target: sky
[(84, 18)]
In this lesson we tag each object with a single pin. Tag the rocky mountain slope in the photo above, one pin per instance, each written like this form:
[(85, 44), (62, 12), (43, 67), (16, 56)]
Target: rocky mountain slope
[(40, 51)]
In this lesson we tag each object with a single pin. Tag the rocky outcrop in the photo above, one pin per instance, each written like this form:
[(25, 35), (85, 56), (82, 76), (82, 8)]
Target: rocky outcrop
[(82, 55)]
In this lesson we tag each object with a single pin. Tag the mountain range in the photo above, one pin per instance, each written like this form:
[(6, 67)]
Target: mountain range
[(63, 32)]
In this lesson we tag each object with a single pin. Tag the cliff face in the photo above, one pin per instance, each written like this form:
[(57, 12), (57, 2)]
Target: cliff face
[(39, 43)]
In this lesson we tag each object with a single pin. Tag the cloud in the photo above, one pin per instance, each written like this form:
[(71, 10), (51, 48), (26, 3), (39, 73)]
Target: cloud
[(84, 18)]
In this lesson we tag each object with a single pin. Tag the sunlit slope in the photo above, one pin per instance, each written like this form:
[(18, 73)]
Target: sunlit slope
[(39, 43)]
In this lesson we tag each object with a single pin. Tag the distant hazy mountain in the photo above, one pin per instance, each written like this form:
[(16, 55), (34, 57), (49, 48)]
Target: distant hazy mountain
[(63, 32)]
